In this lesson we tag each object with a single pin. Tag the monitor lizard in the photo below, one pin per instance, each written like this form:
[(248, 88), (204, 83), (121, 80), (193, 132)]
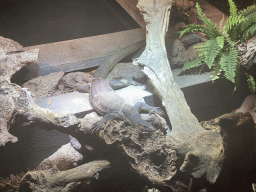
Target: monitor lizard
[(106, 102)]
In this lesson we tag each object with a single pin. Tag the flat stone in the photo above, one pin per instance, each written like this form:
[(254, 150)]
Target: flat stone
[(184, 81), (139, 93), (70, 103)]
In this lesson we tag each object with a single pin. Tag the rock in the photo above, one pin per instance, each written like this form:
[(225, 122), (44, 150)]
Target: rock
[(192, 53), (9, 45), (177, 48), (126, 71), (181, 51), (65, 158), (182, 3), (78, 81), (69, 103), (191, 39), (176, 53), (44, 86), (191, 4)]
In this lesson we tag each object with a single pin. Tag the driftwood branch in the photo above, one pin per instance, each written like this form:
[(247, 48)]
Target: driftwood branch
[(247, 53), (70, 180), (157, 67), (187, 136), (16, 101)]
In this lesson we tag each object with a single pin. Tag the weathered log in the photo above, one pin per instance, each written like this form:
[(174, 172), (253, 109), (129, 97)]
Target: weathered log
[(187, 136), (153, 157), (247, 53), (157, 67), (16, 101), (55, 180), (249, 106)]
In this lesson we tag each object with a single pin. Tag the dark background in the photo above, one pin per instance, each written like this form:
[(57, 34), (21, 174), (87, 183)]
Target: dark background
[(223, 5), (32, 22)]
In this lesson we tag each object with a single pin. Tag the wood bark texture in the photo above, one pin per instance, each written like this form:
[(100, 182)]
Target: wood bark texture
[(187, 135), (16, 101)]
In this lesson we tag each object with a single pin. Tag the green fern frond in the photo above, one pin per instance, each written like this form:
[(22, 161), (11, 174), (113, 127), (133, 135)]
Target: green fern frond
[(251, 19), (216, 71), (232, 9), (232, 26), (234, 21), (192, 64), (250, 32), (248, 11), (228, 63), (251, 82), (211, 50), (209, 24), (220, 41), (194, 28)]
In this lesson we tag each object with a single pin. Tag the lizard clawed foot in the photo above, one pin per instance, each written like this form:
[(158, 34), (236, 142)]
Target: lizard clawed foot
[(158, 111), (99, 125)]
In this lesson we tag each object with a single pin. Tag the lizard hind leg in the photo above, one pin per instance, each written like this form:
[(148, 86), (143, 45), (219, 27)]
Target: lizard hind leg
[(137, 121), (100, 125)]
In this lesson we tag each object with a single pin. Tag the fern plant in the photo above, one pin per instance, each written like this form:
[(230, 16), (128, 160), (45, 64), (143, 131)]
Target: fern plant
[(220, 51)]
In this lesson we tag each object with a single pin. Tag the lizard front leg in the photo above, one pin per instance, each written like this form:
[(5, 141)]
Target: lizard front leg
[(100, 125), (145, 108), (156, 116)]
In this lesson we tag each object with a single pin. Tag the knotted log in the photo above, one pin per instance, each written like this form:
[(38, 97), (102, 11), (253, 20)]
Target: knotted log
[(16, 101)]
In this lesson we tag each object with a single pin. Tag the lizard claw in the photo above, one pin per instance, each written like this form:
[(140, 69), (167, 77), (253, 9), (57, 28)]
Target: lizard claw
[(96, 127), (148, 129), (158, 111)]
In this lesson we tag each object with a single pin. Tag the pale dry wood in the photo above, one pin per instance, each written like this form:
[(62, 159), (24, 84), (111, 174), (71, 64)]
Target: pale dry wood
[(157, 67), (55, 180), (200, 150)]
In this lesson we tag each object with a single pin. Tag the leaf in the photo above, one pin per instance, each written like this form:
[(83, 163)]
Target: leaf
[(220, 41), (251, 82), (228, 63), (248, 11), (216, 72), (194, 28), (232, 9), (233, 22), (192, 64), (250, 32), (210, 49), (213, 32), (248, 22)]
